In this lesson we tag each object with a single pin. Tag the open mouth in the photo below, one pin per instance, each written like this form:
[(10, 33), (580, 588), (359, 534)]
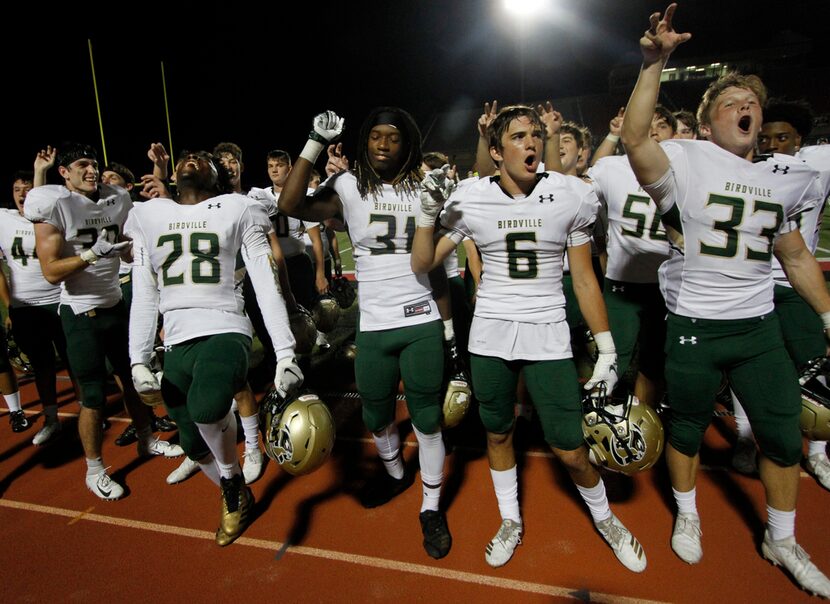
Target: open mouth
[(745, 123), (530, 160)]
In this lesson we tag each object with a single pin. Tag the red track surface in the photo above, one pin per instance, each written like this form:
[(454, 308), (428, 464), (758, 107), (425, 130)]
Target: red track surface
[(64, 544)]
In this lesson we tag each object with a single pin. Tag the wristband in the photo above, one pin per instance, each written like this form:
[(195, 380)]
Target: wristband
[(825, 318), (426, 221), (612, 138), (605, 342), (312, 149), (88, 256)]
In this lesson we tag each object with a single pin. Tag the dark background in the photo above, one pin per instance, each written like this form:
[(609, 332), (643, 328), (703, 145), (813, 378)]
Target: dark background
[(256, 74)]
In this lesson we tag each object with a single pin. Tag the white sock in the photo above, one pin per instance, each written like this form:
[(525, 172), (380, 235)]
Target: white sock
[(209, 468), (431, 454), (234, 406), (449, 332), (816, 447), (13, 401), (596, 500), (50, 412), (94, 466), (250, 426), (506, 485), (741, 419), (221, 440), (388, 445), (686, 502), (780, 525)]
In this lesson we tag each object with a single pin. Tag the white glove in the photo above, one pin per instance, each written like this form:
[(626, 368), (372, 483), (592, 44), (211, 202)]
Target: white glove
[(436, 189), (605, 369), (146, 384), (289, 377), (327, 127), (104, 248)]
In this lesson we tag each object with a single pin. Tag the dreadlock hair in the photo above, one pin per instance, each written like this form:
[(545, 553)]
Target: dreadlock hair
[(796, 113), (409, 175)]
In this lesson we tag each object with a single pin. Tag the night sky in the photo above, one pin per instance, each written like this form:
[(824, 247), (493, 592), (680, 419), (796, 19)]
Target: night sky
[(257, 76)]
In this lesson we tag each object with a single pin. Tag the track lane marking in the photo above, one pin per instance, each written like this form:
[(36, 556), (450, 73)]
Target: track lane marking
[(345, 557)]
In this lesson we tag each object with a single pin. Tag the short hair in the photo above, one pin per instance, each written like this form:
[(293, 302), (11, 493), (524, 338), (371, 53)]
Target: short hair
[(729, 80), (24, 175), (279, 154), (574, 130), (502, 121), (588, 137), (315, 174), (122, 171), (668, 116), (435, 160), (71, 152), (796, 113), (688, 118), (231, 148), (409, 175)]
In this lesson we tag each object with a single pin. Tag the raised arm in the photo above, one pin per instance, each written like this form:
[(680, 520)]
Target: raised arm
[(44, 160), (647, 158), (552, 120), (427, 254), (484, 163), (325, 203), (608, 146)]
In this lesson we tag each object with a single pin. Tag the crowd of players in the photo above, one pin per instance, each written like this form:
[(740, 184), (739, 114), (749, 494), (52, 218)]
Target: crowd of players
[(690, 263)]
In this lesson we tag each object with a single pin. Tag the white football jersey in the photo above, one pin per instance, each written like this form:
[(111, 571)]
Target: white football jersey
[(289, 230), (636, 240), (522, 243), (381, 229), (809, 223), (729, 212), (80, 220), (26, 281), (192, 249)]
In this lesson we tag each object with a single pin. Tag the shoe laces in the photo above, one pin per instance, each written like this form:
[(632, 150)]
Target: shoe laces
[(613, 532), (231, 494), (688, 526), (104, 479), (509, 532)]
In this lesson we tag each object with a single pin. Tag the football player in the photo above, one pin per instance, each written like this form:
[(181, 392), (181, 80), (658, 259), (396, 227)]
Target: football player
[(524, 222), (726, 217), (686, 124), (78, 229), (786, 125), (185, 257), (400, 334), (636, 247)]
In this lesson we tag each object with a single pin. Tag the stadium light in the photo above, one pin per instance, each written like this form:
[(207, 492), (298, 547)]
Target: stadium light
[(523, 13)]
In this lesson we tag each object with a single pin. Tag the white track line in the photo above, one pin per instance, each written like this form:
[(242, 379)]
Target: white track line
[(314, 552)]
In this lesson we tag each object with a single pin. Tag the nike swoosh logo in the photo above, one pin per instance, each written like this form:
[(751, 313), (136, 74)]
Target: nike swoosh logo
[(225, 429), (104, 493)]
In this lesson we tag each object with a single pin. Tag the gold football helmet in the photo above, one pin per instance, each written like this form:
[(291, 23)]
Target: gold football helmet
[(622, 435), (326, 312), (298, 433), (815, 401), (304, 330)]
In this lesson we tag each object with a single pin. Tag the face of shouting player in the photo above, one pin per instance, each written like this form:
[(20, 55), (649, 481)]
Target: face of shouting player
[(520, 154), (196, 170), (734, 121), (20, 189)]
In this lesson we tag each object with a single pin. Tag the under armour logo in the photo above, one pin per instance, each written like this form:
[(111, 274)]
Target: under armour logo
[(214, 205), (778, 168), (690, 340), (546, 198), (617, 288), (110, 202)]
